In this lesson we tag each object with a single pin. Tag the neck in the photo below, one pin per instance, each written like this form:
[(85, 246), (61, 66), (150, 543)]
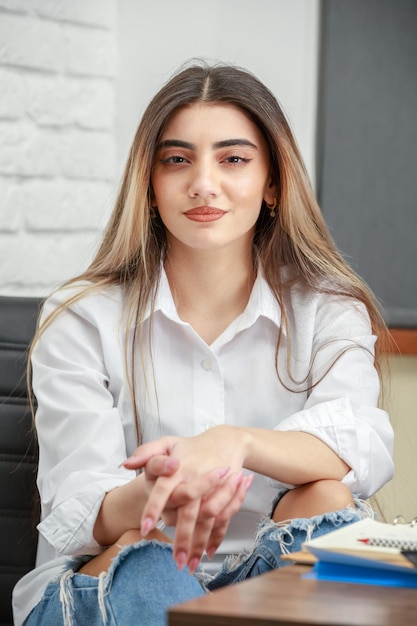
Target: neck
[(210, 288)]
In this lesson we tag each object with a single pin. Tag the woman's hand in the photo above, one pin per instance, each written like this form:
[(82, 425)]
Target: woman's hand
[(201, 496), (201, 523)]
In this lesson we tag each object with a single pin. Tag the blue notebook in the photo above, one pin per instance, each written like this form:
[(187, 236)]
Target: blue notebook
[(344, 567), (366, 552)]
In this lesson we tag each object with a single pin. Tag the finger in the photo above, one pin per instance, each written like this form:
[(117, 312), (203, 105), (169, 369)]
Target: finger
[(209, 531), (201, 536), (218, 500), (186, 521), (193, 535), (216, 537), (161, 465), (169, 517), (157, 500), (223, 519), (164, 489), (201, 486), (223, 505), (143, 453), (194, 528)]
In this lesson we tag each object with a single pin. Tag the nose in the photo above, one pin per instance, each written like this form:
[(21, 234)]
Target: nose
[(204, 181)]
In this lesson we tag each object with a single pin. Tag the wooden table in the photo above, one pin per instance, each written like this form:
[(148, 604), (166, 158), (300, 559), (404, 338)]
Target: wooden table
[(283, 597)]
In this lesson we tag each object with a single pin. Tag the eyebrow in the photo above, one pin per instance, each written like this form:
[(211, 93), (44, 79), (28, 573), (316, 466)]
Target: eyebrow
[(226, 143)]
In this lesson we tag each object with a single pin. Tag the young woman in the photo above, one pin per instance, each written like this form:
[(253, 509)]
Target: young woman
[(219, 343)]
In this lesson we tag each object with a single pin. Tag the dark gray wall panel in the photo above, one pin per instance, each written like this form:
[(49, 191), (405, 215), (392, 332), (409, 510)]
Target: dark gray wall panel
[(367, 144)]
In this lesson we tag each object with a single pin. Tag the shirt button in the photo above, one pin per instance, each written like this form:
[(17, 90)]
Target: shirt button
[(207, 364)]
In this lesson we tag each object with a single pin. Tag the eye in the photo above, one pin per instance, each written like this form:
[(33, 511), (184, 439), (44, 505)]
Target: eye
[(235, 159), (174, 160)]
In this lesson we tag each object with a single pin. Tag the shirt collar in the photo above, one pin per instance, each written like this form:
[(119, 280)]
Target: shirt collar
[(164, 301), (262, 303)]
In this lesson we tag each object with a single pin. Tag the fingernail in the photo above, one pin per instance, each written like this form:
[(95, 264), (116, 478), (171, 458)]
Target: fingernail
[(193, 564), (248, 481), (210, 552), (223, 472), (171, 463), (146, 526), (239, 478), (181, 560), (130, 459)]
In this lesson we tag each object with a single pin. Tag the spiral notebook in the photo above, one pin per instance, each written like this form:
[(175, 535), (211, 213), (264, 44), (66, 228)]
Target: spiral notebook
[(369, 552)]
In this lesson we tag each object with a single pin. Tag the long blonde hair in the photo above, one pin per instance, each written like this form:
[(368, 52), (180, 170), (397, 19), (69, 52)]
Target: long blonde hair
[(134, 244)]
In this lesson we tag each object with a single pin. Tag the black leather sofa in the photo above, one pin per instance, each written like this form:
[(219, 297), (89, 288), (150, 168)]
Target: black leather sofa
[(19, 507)]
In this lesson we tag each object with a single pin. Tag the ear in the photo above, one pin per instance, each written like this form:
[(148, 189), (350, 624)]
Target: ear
[(271, 192)]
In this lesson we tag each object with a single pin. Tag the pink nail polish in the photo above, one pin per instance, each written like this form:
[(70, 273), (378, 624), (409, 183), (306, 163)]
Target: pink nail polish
[(248, 481), (223, 472), (181, 560), (239, 478), (146, 526), (193, 564), (130, 459), (210, 552)]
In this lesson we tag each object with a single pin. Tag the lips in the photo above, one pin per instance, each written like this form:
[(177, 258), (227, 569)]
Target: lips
[(204, 214)]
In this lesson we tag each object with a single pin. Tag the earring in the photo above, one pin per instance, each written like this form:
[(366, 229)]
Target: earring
[(272, 207), (152, 211)]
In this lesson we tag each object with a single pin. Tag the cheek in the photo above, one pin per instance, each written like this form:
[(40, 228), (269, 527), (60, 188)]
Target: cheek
[(159, 193), (251, 199), (251, 188), (166, 189)]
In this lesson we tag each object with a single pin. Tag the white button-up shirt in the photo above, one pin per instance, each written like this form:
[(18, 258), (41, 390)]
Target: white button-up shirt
[(85, 419)]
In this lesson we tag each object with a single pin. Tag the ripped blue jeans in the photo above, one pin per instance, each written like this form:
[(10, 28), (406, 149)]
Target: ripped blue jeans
[(143, 580)]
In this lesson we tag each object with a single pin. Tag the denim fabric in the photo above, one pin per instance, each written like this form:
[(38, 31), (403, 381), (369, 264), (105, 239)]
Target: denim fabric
[(143, 580), (275, 539), (141, 584)]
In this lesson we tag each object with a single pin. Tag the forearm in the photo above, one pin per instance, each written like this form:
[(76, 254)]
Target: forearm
[(121, 510), (291, 457)]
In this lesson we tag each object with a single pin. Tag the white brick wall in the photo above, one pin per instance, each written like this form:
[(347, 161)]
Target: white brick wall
[(58, 64)]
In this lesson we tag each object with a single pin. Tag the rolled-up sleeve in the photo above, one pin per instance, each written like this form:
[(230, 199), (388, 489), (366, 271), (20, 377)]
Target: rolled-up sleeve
[(80, 432), (342, 406)]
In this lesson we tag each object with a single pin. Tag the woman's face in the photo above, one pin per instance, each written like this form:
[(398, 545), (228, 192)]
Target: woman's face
[(210, 176)]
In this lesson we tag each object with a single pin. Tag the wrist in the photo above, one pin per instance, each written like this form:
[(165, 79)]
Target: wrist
[(246, 443), (241, 439), (120, 510)]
